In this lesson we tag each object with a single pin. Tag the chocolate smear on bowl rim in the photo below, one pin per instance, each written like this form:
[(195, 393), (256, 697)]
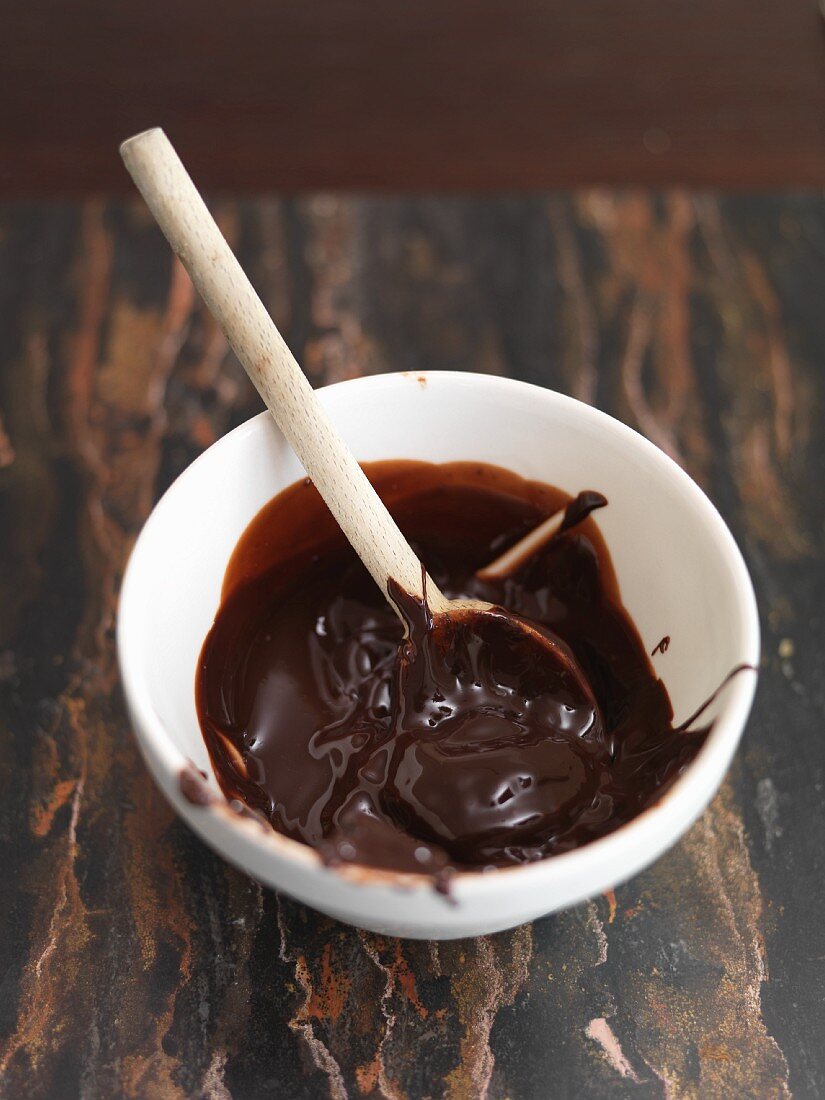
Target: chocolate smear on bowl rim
[(193, 786)]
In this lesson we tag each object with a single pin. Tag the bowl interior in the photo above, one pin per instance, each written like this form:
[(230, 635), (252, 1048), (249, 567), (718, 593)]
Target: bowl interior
[(679, 571)]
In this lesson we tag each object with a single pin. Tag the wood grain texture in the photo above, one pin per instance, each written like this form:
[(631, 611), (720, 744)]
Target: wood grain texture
[(527, 94), (134, 962)]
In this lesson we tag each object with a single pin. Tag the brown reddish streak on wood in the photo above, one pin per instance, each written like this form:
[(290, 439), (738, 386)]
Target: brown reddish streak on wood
[(610, 895), (385, 1064), (301, 1020), (31, 493), (786, 430), (42, 816), (649, 265), (367, 1076), (581, 344), (753, 361), (718, 923), (53, 978), (337, 347), (328, 999), (389, 955), (498, 968), (406, 981), (7, 453)]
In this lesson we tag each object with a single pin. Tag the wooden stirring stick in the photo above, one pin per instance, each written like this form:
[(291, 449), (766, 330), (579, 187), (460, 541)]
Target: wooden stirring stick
[(511, 559), (577, 510), (191, 231)]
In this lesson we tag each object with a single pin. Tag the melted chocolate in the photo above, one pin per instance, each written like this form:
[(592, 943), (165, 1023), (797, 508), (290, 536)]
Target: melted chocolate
[(580, 508), (493, 733), (468, 745)]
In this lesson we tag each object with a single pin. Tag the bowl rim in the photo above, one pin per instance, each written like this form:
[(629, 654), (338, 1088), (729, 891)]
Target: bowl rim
[(695, 786)]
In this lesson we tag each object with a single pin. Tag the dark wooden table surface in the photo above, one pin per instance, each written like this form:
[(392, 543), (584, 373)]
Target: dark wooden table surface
[(455, 94), (133, 962)]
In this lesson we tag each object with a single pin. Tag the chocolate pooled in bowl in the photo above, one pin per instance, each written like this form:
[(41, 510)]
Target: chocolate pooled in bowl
[(433, 749)]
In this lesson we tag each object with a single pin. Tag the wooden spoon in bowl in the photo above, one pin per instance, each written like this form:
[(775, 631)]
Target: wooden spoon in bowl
[(196, 239)]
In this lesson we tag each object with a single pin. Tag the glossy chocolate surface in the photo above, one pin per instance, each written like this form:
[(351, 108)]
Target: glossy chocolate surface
[(464, 746)]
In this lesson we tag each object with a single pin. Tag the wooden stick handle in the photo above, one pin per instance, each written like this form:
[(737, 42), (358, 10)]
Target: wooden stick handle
[(191, 231), (511, 559)]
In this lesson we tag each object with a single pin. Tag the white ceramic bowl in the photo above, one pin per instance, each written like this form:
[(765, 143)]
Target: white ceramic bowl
[(679, 570)]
